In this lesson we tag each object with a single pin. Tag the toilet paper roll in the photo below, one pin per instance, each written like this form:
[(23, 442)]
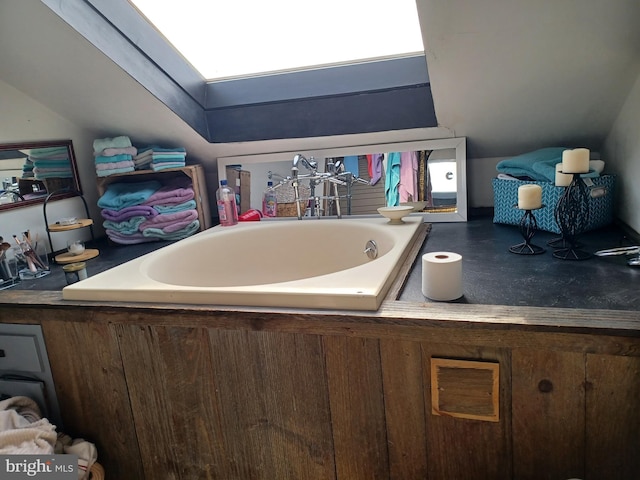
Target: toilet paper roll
[(442, 276)]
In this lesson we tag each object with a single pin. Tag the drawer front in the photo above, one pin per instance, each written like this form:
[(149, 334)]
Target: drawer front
[(20, 353)]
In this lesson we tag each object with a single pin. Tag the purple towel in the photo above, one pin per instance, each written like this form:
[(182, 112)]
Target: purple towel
[(128, 212), (170, 196), (170, 222)]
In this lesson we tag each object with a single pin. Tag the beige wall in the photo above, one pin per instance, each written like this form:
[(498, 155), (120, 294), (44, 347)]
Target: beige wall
[(24, 119), (622, 154)]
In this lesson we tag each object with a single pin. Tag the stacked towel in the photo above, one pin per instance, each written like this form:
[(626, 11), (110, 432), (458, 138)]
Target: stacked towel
[(27, 168), (113, 155), (149, 211), (50, 162), (158, 158), (538, 166)]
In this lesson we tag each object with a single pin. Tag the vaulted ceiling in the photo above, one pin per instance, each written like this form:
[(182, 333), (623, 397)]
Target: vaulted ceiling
[(509, 75)]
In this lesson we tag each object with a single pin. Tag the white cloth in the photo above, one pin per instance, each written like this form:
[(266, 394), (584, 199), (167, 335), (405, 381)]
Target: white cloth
[(22, 431)]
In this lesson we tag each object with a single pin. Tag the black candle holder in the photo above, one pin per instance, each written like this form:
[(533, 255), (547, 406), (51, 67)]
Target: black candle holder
[(528, 227), (572, 216)]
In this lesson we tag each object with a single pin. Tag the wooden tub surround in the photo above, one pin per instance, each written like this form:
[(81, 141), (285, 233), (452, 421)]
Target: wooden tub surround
[(196, 392)]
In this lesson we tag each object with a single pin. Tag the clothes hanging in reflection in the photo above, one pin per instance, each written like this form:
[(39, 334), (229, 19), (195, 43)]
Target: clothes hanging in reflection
[(375, 167), (351, 164), (408, 187), (392, 179)]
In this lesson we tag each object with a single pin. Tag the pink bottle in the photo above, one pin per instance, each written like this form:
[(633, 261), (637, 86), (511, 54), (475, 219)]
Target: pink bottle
[(227, 209)]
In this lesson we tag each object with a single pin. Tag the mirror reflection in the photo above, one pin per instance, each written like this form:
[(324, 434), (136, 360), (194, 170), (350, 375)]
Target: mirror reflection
[(428, 175), (30, 171)]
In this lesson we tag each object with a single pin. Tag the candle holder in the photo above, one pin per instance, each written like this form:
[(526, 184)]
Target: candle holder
[(528, 226), (572, 216)]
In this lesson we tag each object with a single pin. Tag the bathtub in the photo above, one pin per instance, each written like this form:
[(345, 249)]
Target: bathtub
[(318, 263)]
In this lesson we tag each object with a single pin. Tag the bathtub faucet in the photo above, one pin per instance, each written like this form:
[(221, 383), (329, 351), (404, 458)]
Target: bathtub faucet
[(309, 164)]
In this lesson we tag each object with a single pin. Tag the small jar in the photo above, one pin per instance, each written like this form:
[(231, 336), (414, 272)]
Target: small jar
[(74, 272)]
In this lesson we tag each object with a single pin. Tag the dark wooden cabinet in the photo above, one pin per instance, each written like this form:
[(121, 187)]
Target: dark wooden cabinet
[(184, 393)]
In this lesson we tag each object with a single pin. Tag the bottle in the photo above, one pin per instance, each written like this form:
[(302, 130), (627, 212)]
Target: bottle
[(269, 202), (227, 210)]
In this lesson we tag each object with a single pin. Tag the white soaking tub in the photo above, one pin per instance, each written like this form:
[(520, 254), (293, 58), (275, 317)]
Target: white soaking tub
[(313, 263)]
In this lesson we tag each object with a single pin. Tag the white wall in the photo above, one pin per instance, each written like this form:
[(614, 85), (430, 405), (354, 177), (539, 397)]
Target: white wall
[(622, 153), (24, 119)]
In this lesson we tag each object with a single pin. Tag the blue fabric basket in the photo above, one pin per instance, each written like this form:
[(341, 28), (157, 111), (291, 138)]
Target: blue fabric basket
[(505, 197)]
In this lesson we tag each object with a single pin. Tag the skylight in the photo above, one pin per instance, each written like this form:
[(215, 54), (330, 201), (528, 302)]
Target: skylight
[(232, 38)]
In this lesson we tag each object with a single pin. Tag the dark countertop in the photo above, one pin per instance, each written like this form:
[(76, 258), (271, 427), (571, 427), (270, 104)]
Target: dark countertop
[(491, 274), (494, 276)]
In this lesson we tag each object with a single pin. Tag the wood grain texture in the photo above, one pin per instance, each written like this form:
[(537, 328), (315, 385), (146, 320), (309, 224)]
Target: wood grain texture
[(548, 405), (274, 407), (404, 404), (613, 418), (357, 408), (458, 448), (92, 392)]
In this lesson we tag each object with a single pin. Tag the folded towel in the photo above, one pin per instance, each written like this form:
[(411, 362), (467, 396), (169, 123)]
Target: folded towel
[(190, 229), (126, 213), (156, 148), (48, 152), (156, 167), (114, 171), (100, 144), (170, 222), (114, 158), (132, 239), (190, 205), (168, 195), (109, 152), (132, 225), (114, 165), (63, 162), (120, 195), (522, 165)]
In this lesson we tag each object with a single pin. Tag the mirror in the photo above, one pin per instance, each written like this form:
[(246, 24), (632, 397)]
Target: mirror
[(30, 171), (435, 171)]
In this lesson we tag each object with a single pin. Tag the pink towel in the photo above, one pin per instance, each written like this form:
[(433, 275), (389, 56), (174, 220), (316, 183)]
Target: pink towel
[(408, 188), (170, 222)]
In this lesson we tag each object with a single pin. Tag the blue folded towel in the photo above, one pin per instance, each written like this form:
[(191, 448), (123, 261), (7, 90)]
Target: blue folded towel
[(121, 195), (523, 165), (122, 157), (188, 205), (190, 229)]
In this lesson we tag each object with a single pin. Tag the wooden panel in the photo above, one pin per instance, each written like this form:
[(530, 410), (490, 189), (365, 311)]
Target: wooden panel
[(274, 408), (465, 389), (171, 388), (92, 392), (548, 414), (460, 448), (613, 417), (357, 408), (404, 409)]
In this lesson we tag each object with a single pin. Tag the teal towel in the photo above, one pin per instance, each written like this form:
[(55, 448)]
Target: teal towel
[(114, 158), (120, 195), (189, 205), (522, 165), (100, 144), (392, 179), (126, 227), (190, 229)]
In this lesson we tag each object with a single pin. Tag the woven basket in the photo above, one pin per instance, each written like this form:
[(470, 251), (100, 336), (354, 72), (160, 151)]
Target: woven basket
[(96, 472), (290, 210), (285, 196), (54, 184)]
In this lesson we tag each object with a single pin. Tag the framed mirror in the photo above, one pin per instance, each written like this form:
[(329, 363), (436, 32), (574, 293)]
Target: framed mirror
[(429, 175), (30, 171)]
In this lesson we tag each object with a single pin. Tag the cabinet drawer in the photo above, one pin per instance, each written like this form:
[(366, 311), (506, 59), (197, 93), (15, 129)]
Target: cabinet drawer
[(20, 353)]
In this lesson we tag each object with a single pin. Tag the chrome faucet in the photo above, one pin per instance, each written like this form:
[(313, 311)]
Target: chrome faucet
[(335, 175)]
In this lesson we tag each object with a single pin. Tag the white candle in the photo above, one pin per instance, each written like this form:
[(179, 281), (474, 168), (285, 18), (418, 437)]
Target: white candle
[(529, 197), (575, 161), (562, 179)]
